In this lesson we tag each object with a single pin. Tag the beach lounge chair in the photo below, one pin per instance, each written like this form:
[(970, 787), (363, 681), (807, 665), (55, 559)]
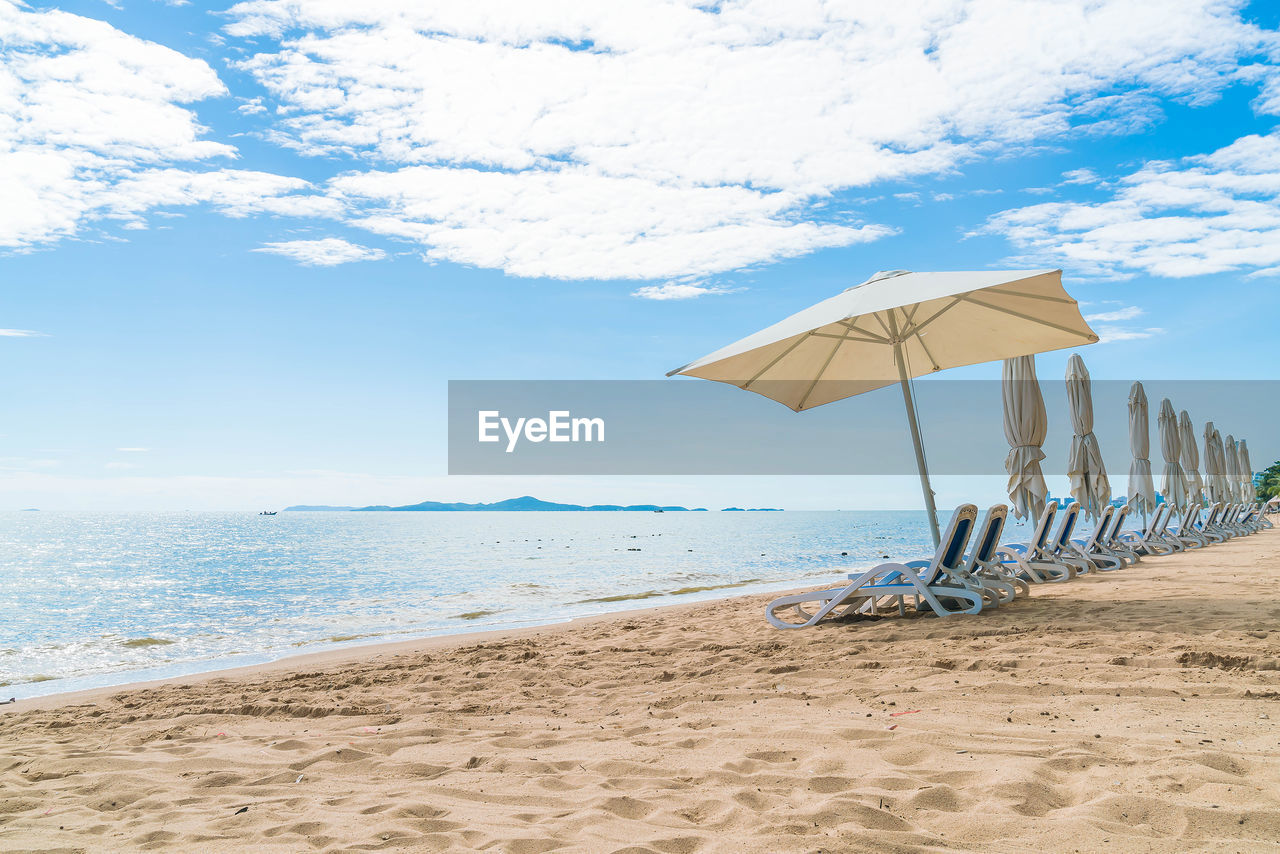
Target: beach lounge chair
[(1093, 548), (1248, 518), (1227, 521), (1187, 532), (927, 581), (1166, 530), (1240, 520), (1150, 540), (1208, 525), (1244, 518), (1263, 512), (983, 569), (1045, 558), (1063, 548), (1112, 542)]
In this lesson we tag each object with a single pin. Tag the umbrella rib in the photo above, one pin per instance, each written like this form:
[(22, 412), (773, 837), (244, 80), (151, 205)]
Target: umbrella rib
[(1018, 314), (855, 328), (1045, 297), (847, 337), (818, 376), (787, 352), (925, 348), (908, 318), (884, 326), (954, 302)]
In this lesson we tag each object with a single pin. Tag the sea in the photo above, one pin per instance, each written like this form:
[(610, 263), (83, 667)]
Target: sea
[(94, 600)]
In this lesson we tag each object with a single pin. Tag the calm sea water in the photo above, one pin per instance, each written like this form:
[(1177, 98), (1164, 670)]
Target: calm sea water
[(93, 600)]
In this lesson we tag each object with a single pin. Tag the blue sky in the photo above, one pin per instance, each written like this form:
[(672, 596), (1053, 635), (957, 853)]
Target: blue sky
[(508, 187)]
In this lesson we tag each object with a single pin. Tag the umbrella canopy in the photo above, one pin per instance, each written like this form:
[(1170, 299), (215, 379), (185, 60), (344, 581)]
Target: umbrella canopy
[(1231, 471), (1025, 426), (1190, 457), (1173, 482), (1246, 472), (1089, 484), (1142, 492), (895, 326)]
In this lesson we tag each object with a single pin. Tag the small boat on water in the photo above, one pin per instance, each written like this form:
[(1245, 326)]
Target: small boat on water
[(267, 513)]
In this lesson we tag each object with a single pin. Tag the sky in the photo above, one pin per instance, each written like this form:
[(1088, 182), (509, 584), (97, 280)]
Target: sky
[(244, 247)]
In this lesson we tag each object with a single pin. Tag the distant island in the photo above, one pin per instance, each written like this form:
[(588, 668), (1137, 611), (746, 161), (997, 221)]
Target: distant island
[(752, 510), (525, 502)]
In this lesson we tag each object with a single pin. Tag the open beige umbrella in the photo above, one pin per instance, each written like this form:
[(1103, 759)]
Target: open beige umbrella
[(1089, 484), (1025, 425), (1190, 457), (1142, 491), (1173, 481), (895, 326), (1246, 473)]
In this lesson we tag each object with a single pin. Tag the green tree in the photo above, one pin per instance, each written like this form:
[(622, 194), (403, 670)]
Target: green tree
[(1269, 485)]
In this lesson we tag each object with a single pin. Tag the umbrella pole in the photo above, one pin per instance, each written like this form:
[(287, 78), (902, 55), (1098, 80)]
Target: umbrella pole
[(915, 438)]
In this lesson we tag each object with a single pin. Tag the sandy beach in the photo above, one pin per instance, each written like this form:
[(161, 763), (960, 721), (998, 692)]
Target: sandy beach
[(1135, 711)]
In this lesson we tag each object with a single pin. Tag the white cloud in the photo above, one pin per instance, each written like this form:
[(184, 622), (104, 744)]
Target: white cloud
[(657, 138), (1109, 334), (1105, 323), (92, 124), (21, 333), (1080, 176), (640, 139), (327, 252), (681, 290), (1209, 213), (571, 223), (1126, 313), (1264, 273)]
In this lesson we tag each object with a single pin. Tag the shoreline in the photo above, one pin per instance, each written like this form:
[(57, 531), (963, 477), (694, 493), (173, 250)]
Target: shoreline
[(369, 652)]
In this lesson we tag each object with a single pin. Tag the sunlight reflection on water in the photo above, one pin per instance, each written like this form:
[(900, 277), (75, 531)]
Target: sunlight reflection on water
[(100, 599)]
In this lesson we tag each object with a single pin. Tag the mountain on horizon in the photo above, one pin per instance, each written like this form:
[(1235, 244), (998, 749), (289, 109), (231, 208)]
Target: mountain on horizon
[(524, 503)]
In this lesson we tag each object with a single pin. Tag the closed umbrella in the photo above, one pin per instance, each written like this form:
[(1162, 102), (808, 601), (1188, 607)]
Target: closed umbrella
[(895, 326), (1190, 457), (1089, 484), (1173, 481), (1142, 492), (1246, 473), (1025, 426), (1213, 463), (1231, 470)]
